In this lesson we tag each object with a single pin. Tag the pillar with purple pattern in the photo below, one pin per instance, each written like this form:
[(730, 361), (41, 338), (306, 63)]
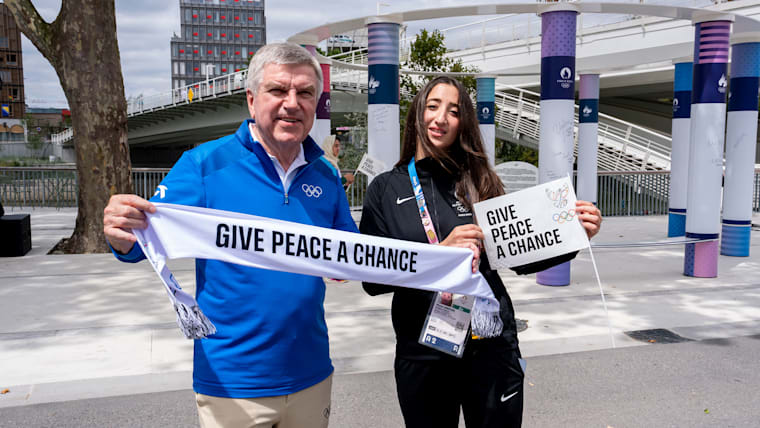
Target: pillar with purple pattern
[(708, 114), (556, 142), (321, 127)]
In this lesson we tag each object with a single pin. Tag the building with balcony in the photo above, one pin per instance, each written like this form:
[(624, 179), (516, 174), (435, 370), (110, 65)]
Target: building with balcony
[(216, 37)]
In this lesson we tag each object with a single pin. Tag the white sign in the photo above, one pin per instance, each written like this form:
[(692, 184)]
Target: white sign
[(516, 175), (370, 166), (531, 225)]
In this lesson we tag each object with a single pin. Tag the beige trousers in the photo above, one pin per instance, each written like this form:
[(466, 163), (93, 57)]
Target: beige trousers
[(307, 408)]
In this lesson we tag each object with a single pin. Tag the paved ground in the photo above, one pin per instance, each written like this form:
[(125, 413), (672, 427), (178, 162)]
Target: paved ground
[(80, 328), (710, 383)]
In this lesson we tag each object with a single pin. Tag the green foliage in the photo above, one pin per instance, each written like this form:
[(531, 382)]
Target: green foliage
[(428, 53), (33, 138), (354, 143), (507, 152), (16, 161)]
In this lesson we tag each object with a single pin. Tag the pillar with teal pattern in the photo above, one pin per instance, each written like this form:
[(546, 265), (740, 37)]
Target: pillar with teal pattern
[(486, 112), (679, 154), (741, 137), (588, 136)]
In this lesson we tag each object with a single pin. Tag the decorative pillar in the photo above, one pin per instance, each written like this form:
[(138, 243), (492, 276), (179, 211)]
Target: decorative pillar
[(321, 127), (741, 135), (588, 136), (708, 125), (555, 147), (486, 111), (679, 154), (383, 91)]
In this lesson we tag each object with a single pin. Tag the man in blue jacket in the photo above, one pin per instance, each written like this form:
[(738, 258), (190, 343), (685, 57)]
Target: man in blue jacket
[(269, 363)]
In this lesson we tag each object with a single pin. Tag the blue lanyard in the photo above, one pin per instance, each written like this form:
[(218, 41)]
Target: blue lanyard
[(427, 223)]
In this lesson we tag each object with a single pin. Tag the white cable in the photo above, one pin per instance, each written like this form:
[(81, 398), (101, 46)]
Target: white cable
[(604, 301)]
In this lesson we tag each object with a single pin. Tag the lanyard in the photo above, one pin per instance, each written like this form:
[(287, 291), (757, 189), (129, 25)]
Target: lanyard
[(448, 320), (427, 223)]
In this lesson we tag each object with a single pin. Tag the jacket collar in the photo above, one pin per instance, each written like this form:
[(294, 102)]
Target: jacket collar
[(311, 151), (429, 167)]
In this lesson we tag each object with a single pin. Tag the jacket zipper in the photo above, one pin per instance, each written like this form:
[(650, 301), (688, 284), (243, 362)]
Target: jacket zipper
[(298, 174)]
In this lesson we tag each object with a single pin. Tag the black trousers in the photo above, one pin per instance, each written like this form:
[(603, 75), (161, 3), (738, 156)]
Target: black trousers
[(487, 383)]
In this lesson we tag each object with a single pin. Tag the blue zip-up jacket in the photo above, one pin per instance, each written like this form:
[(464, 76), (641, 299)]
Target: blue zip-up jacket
[(271, 334)]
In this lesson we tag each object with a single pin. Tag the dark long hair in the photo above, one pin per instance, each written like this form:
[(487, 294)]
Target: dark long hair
[(465, 159)]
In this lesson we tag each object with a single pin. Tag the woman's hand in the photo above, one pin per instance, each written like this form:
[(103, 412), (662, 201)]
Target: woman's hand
[(466, 236), (590, 217)]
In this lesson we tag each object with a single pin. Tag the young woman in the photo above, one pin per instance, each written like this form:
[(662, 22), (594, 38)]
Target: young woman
[(443, 147), (331, 147)]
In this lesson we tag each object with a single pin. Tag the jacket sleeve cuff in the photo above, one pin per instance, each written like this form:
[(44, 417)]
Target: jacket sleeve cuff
[(133, 256)]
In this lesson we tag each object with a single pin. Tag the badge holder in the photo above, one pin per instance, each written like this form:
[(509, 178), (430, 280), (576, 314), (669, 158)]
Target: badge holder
[(447, 324)]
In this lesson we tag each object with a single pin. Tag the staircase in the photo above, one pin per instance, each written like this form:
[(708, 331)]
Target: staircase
[(623, 146)]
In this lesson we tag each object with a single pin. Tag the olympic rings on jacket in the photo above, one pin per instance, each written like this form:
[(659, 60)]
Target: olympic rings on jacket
[(311, 191)]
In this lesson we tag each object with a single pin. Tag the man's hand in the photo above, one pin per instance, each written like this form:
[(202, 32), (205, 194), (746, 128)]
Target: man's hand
[(466, 236), (590, 217), (125, 212)]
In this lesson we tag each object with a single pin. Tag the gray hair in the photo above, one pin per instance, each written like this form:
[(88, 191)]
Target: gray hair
[(280, 53)]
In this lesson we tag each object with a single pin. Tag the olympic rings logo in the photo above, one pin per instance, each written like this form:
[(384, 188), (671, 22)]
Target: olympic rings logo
[(312, 191), (564, 216)]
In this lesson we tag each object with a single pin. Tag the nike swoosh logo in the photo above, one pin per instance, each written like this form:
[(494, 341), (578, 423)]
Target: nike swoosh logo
[(503, 398), (400, 201)]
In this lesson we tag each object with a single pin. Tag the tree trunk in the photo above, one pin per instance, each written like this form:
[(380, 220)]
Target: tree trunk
[(81, 46)]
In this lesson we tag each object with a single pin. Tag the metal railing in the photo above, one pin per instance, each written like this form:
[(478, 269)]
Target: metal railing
[(620, 193), (356, 191), (209, 88), (58, 186), (633, 193), (63, 136), (38, 187), (623, 145)]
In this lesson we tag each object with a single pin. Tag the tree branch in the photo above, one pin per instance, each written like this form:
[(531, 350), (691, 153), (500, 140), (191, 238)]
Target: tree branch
[(35, 28)]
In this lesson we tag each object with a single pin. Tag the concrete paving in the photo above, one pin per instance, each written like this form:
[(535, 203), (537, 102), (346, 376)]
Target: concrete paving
[(710, 383), (87, 326)]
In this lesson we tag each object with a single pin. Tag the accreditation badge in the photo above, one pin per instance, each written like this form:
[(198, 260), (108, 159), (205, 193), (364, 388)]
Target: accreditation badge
[(448, 323)]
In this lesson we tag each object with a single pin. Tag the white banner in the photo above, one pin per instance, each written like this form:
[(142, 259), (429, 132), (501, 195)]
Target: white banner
[(531, 225), (177, 231)]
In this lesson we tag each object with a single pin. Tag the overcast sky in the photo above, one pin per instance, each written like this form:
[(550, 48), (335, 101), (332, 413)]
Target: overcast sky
[(145, 26)]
